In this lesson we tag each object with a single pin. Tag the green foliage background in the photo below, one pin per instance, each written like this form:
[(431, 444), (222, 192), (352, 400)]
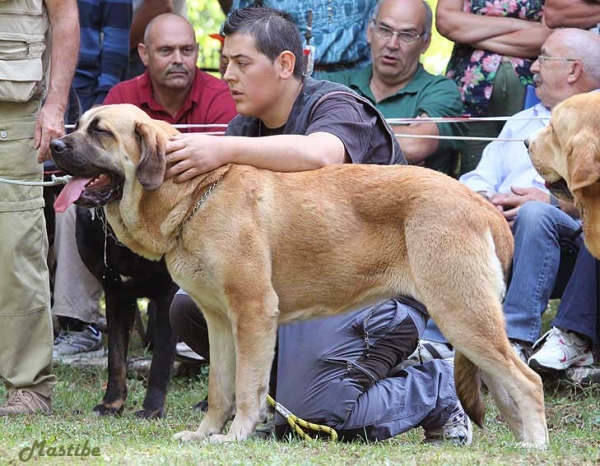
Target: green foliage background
[(207, 17), (436, 58)]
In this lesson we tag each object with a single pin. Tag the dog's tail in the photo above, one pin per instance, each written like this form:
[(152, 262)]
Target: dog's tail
[(468, 388)]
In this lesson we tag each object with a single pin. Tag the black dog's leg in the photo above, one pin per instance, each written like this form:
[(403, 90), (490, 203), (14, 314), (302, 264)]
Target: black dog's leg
[(120, 314), (162, 359)]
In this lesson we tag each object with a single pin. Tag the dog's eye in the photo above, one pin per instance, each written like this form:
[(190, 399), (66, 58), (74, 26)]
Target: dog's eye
[(102, 132)]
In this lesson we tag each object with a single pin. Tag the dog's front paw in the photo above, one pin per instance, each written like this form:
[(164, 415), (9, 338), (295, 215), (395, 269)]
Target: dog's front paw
[(189, 436), (223, 438), (107, 410), (149, 414)]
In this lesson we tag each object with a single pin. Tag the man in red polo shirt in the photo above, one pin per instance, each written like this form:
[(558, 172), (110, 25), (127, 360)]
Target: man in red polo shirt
[(172, 89)]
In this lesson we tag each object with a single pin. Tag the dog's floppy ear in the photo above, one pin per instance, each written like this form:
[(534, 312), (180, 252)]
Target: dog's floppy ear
[(583, 160), (153, 162)]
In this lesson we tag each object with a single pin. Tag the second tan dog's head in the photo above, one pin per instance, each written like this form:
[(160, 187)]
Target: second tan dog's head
[(567, 155), (107, 142)]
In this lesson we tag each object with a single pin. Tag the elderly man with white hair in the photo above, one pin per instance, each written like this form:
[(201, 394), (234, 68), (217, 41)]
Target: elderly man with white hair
[(569, 64)]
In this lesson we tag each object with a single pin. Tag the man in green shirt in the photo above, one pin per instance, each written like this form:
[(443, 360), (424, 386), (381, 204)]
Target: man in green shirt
[(399, 86)]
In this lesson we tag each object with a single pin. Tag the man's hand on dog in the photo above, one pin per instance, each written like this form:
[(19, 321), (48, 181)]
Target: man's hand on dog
[(509, 203), (190, 155)]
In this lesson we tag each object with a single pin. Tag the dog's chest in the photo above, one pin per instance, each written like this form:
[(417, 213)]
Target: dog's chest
[(193, 270)]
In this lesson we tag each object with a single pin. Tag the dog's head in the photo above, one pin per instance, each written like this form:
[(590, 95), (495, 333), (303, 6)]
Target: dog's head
[(108, 142), (567, 152)]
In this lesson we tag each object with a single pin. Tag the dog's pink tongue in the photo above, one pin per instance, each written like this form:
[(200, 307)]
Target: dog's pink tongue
[(70, 193)]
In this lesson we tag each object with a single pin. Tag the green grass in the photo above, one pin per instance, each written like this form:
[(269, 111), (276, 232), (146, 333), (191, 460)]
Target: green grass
[(573, 420)]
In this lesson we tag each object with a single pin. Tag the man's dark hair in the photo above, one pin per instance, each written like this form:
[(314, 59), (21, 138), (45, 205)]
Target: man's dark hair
[(273, 32)]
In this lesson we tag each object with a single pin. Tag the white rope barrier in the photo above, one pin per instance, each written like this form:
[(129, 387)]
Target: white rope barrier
[(215, 125), (55, 180), (182, 126), (458, 138), (391, 121), (465, 119)]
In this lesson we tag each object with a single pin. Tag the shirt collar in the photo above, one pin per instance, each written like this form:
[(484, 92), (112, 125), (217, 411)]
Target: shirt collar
[(361, 81), (147, 94), (415, 84), (540, 110)]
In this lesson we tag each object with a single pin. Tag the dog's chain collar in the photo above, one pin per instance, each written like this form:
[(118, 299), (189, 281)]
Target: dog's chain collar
[(108, 232), (201, 201)]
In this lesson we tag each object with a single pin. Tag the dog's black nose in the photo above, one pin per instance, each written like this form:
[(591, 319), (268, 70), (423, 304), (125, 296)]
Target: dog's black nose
[(58, 146), (526, 143)]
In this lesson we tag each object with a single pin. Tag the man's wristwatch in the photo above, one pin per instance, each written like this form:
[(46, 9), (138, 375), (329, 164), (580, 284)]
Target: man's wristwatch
[(554, 201)]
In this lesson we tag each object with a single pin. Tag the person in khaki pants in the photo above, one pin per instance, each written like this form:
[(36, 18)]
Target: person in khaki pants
[(29, 66)]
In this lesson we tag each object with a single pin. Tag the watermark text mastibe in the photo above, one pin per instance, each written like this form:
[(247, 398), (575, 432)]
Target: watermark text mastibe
[(40, 448)]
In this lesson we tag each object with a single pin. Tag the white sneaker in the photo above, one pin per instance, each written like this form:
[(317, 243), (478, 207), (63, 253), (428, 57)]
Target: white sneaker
[(428, 350), (458, 430), (184, 353), (522, 349), (561, 349)]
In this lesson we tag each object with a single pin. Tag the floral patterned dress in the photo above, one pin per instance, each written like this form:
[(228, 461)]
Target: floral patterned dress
[(474, 70)]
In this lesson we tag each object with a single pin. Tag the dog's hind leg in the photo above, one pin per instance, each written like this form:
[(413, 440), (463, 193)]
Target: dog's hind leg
[(120, 314), (463, 298), (468, 375), (221, 379), (506, 405), (162, 358), (518, 392), (479, 334)]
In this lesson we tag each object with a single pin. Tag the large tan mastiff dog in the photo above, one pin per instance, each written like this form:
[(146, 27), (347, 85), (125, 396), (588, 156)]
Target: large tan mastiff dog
[(256, 248), (567, 155)]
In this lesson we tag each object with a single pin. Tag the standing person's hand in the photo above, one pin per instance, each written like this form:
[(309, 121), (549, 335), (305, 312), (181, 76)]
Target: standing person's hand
[(50, 125)]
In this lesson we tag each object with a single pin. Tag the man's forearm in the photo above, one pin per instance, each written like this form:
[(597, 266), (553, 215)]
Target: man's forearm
[(572, 13), (64, 20), (287, 153), (525, 43), (467, 28), (414, 148)]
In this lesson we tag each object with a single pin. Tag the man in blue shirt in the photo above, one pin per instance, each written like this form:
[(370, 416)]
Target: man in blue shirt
[(104, 49), (338, 29)]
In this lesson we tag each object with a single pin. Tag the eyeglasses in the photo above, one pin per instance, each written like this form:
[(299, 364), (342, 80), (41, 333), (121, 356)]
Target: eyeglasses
[(386, 33), (543, 58)]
